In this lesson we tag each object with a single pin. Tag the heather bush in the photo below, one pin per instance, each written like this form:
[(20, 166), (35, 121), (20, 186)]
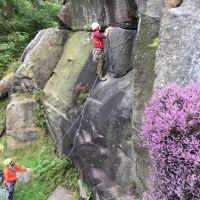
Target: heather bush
[(171, 132)]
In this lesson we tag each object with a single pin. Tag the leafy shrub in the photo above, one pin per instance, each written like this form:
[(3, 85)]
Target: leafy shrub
[(58, 172), (40, 116), (19, 22), (171, 132)]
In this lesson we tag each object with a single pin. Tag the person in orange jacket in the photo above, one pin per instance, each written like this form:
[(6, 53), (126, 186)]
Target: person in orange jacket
[(10, 176)]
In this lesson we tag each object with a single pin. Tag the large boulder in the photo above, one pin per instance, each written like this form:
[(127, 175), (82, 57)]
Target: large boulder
[(59, 90), (80, 14), (5, 85), (101, 149), (178, 53), (144, 55), (40, 59), (61, 193), (20, 127), (118, 50), (32, 44)]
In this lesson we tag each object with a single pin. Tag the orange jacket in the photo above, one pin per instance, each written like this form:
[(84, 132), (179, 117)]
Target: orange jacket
[(10, 175)]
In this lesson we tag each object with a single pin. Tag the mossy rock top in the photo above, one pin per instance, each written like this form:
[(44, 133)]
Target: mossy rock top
[(59, 89)]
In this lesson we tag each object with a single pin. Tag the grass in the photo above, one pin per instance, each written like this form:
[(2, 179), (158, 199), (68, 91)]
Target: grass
[(48, 171)]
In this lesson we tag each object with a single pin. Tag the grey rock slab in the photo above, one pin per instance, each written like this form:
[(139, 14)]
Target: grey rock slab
[(101, 151), (61, 193), (80, 14), (32, 44), (155, 8), (20, 127), (59, 90), (13, 143), (41, 58), (143, 60), (178, 53), (20, 113), (118, 51)]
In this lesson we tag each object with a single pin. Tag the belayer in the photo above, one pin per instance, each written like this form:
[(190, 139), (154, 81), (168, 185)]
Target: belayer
[(98, 51), (10, 176)]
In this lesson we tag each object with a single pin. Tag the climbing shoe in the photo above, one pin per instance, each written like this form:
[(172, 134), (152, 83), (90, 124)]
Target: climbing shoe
[(103, 79)]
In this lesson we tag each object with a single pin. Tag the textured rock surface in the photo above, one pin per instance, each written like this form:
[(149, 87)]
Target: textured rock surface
[(59, 89), (118, 50), (155, 8), (40, 60), (178, 54), (141, 6), (105, 159), (80, 14), (5, 85), (61, 193), (20, 128), (143, 79), (2, 125), (32, 44)]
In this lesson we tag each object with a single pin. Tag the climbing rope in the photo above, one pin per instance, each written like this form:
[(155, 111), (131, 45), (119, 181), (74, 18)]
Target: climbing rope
[(80, 116), (68, 131), (3, 193)]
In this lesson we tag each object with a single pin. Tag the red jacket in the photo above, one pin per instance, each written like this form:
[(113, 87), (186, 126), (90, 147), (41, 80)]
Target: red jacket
[(98, 39), (10, 175)]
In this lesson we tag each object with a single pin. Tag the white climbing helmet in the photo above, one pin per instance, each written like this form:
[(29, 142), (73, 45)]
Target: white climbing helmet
[(95, 25)]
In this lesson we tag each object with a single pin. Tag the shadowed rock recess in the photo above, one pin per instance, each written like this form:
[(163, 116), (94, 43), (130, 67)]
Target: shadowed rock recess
[(96, 123)]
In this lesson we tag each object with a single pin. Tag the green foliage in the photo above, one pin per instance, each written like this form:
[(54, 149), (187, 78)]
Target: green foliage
[(81, 93), (58, 172), (40, 118), (19, 22), (88, 191)]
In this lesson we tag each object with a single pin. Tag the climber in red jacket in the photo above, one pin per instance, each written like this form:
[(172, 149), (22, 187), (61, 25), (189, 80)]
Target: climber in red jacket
[(10, 176), (98, 53)]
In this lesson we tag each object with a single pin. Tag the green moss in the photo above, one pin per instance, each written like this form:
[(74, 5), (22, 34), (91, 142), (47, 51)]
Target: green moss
[(39, 111), (59, 88), (80, 95), (154, 43)]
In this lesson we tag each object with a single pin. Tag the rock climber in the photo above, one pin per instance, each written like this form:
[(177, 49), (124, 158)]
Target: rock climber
[(98, 51), (10, 176)]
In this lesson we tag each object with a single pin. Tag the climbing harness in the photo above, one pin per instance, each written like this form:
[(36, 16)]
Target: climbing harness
[(95, 54)]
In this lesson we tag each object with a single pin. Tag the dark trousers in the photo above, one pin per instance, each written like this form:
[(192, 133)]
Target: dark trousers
[(11, 188)]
